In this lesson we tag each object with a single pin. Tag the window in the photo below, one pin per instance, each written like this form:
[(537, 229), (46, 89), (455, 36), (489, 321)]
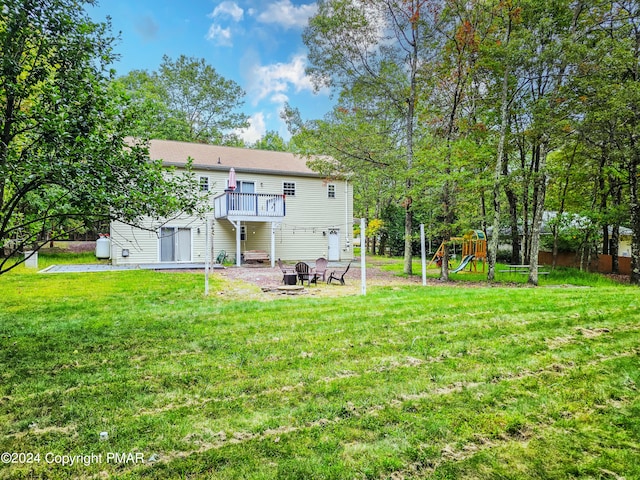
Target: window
[(246, 187), (204, 184), (289, 188), (331, 191)]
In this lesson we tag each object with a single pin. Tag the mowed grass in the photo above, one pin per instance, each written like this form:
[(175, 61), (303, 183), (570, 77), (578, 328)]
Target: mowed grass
[(412, 382)]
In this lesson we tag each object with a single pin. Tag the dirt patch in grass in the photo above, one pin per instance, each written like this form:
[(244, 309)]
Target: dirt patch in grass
[(267, 278), (261, 281)]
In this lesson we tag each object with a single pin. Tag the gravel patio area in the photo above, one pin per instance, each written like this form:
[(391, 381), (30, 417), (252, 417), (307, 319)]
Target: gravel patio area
[(268, 279)]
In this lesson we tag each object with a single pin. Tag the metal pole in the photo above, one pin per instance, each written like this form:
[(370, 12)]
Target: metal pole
[(207, 257), (363, 251), (273, 244), (424, 256), (238, 253)]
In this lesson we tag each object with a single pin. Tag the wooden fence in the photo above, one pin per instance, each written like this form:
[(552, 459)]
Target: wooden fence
[(602, 264)]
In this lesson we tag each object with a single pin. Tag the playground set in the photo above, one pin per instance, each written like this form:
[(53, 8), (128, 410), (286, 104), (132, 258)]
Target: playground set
[(474, 249)]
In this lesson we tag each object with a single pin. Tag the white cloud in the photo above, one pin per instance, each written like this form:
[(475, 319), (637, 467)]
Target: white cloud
[(228, 9), (256, 130), (221, 36), (279, 98), (287, 15), (274, 81)]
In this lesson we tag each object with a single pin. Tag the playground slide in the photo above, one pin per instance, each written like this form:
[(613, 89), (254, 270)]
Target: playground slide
[(463, 264)]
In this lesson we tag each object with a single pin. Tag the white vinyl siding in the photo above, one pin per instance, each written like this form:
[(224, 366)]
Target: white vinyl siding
[(303, 233), (145, 246)]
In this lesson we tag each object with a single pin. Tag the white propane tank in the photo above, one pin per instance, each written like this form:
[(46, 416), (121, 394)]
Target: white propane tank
[(103, 246)]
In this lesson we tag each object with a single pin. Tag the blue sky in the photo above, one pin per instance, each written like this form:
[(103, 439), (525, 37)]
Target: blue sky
[(256, 43)]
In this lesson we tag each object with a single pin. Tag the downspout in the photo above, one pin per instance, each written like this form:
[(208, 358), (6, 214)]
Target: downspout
[(346, 215)]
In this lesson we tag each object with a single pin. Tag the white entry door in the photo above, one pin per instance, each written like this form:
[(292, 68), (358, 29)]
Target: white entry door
[(175, 244), (334, 245)]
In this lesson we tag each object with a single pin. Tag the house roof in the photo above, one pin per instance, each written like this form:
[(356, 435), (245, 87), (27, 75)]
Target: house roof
[(215, 157)]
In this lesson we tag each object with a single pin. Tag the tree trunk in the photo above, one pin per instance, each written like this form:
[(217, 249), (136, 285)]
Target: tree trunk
[(613, 250), (382, 248), (492, 252), (444, 271), (408, 214), (448, 221), (525, 247), (408, 231), (635, 221), (615, 229), (513, 219), (540, 189)]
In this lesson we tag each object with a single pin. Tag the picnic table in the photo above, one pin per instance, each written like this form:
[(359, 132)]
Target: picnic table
[(524, 269)]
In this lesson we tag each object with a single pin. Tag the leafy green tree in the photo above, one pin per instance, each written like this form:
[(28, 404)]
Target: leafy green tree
[(607, 102), (352, 142), (528, 66), (186, 99), (501, 61), (448, 139), (271, 141), (154, 118), (373, 50), (63, 158)]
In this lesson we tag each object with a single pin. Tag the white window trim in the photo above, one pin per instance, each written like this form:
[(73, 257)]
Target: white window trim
[(202, 184), (295, 188)]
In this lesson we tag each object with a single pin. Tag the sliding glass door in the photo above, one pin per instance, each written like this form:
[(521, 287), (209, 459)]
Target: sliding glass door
[(175, 244)]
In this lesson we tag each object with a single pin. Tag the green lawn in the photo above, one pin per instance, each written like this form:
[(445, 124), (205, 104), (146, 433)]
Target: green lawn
[(412, 382)]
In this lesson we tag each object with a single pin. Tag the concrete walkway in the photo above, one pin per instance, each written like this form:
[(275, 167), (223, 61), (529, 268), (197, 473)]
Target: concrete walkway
[(87, 268), (112, 268)]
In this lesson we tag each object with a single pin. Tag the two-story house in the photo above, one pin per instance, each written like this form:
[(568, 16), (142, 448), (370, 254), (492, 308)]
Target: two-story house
[(279, 205)]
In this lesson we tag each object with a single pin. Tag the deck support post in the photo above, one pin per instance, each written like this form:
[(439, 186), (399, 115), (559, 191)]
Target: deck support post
[(273, 244), (238, 227)]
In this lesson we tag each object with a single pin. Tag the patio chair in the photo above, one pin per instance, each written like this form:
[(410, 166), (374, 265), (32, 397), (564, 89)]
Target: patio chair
[(338, 275), (286, 271), (320, 270), (303, 271), (222, 256)]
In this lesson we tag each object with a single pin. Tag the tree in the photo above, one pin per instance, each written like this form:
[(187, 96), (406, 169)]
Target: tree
[(155, 118), (532, 39), (186, 100), (352, 142), (609, 92), (508, 16), (271, 141), (62, 151), (450, 107), (374, 49)]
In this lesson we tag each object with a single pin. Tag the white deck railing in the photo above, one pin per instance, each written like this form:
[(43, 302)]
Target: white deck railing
[(232, 204)]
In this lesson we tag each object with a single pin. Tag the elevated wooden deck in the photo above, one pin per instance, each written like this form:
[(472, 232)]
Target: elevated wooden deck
[(258, 207)]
